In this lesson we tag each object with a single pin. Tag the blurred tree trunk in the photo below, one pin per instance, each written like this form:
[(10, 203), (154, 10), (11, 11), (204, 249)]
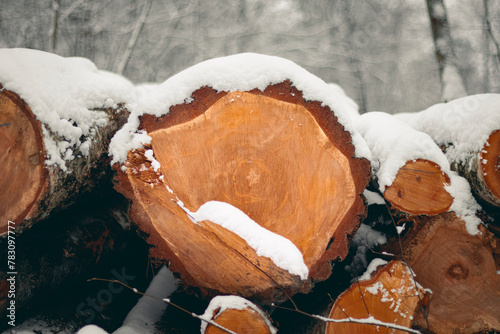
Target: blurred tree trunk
[(135, 36), (452, 85)]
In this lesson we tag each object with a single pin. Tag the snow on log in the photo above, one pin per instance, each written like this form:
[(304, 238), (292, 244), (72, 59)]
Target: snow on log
[(412, 172), (57, 117), (390, 296), (236, 314), (461, 270), (246, 173), (468, 130)]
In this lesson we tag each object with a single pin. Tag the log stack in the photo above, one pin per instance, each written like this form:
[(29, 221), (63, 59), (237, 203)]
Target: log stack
[(246, 176)]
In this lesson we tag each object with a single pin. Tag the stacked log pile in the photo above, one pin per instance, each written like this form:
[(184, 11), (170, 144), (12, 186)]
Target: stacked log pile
[(246, 176)]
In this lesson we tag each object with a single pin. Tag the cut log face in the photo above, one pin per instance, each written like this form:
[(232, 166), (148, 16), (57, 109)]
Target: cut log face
[(461, 270), (21, 159), (390, 296), (490, 166), (241, 319), (419, 188), (284, 162)]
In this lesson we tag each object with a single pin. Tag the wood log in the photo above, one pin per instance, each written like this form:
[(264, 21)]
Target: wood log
[(461, 270), (468, 131), (57, 118), (284, 163), (419, 188), (409, 168), (390, 296), (236, 314)]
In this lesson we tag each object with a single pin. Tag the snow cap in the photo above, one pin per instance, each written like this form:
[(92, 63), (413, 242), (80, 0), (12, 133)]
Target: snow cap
[(63, 94), (241, 72)]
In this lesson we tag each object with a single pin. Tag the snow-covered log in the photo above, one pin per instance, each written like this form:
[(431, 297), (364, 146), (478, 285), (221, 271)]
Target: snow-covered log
[(461, 270), (468, 130), (236, 314), (412, 172), (389, 295), (57, 117), (246, 174)]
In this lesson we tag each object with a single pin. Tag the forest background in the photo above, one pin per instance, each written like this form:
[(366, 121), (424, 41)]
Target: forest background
[(380, 51)]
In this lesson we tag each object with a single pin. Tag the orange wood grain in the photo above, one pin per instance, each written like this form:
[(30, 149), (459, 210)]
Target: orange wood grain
[(283, 161), (21, 160), (391, 296), (245, 321), (461, 270), (490, 163), (419, 188)]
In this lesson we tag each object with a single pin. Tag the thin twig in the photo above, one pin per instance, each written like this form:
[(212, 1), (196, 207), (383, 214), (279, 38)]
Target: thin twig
[(363, 298), (367, 321), (166, 300)]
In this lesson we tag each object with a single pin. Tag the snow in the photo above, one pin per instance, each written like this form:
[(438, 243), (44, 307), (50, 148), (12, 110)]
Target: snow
[(465, 123), (241, 72), (373, 197), (143, 317), (372, 267), (221, 303), (364, 239), (393, 142), (62, 93), (92, 329), (154, 163), (266, 243)]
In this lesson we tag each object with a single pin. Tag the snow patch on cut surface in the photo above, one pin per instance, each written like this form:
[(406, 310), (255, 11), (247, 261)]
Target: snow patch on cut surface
[(266, 243), (222, 303), (241, 72), (393, 142), (63, 93)]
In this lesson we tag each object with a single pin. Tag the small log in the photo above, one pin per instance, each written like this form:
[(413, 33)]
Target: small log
[(236, 314), (408, 167), (58, 116), (460, 269), (468, 131), (419, 188), (283, 163), (390, 296)]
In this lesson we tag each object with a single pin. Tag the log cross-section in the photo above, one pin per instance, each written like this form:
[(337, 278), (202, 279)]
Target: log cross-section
[(419, 188), (390, 296), (285, 162), (21, 159)]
